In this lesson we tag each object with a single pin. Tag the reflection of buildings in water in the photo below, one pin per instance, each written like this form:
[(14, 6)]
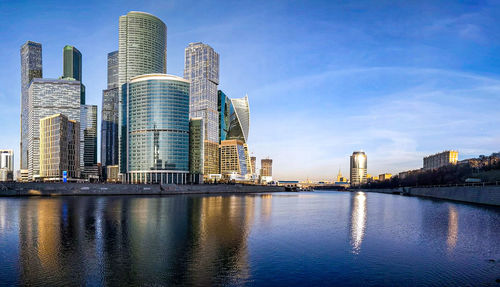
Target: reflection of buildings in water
[(220, 247), (266, 206), (452, 237), (3, 218), (358, 220)]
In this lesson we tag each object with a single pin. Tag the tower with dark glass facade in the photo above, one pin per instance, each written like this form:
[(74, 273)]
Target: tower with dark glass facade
[(109, 115), (72, 68)]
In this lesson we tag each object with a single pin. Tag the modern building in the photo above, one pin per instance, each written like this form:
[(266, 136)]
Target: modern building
[(48, 97), (109, 116), (59, 148), (358, 168), (6, 165), (112, 173), (224, 109), (196, 150), (201, 68), (158, 129), (253, 162), (384, 176), (233, 160), (72, 68), (239, 119), (31, 68), (441, 159), (266, 167), (142, 50), (88, 142)]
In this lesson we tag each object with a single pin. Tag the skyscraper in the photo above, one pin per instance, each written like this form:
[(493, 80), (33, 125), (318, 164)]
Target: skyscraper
[(239, 119), (109, 115), (72, 68), (224, 109), (142, 50), (6, 165), (201, 68), (233, 160), (158, 129), (47, 97), (88, 141), (196, 150), (358, 168), (266, 167), (253, 162), (59, 148), (31, 68)]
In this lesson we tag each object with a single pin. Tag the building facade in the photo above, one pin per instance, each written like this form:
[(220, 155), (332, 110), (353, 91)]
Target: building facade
[(31, 68), (6, 165), (109, 116), (441, 159), (59, 148), (253, 162), (239, 119), (359, 163), (142, 50), (201, 68), (233, 159), (158, 129), (196, 133), (266, 167), (72, 68), (88, 142), (48, 97), (384, 176)]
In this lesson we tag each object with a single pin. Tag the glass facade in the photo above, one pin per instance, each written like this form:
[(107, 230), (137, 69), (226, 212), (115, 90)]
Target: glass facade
[(239, 119), (31, 68), (72, 68), (359, 164), (233, 158), (109, 116), (224, 108), (48, 97), (142, 50), (88, 140), (196, 149), (157, 129), (201, 68)]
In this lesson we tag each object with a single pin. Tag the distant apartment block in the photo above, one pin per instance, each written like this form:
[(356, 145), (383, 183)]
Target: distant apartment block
[(440, 159), (384, 176)]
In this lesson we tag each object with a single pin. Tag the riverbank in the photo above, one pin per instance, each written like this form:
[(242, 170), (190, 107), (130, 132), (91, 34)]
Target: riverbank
[(64, 189), (488, 195)]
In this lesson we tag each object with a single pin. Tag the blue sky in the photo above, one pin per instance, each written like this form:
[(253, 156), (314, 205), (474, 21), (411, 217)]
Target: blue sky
[(397, 79)]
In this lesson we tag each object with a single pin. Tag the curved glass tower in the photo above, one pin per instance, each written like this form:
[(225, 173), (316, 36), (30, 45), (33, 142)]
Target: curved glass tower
[(239, 119), (142, 50), (358, 168), (158, 129)]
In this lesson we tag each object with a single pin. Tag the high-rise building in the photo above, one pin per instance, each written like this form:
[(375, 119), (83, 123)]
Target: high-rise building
[(233, 158), (6, 165), (109, 115), (158, 129), (266, 167), (72, 68), (440, 159), (88, 142), (196, 150), (48, 97), (358, 168), (31, 68), (239, 119), (142, 50), (224, 109), (59, 148), (253, 162), (201, 68)]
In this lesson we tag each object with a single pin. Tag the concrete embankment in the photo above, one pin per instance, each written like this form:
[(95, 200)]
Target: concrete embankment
[(489, 195), (60, 189)]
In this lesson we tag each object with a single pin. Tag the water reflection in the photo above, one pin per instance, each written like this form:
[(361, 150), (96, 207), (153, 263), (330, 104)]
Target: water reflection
[(135, 241), (358, 221), (452, 228)]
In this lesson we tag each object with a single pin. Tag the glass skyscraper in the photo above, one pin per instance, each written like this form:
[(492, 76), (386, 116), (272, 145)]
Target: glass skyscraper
[(358, 168), (158, 129), (196, 149), (88, 141), (142, 50), (72, 68), (109, 115), (31, 68), (47, 97), (201, 68)]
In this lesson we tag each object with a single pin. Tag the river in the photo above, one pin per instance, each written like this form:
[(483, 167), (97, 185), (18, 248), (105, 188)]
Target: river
[(280, 239)]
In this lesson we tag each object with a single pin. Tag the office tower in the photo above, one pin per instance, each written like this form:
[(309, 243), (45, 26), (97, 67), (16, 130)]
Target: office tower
[(196, 150), (72, 68), (440, 159), (253, 162), (224, 109), (59, 148), (201, 68), (6, 165), (48, 97), (358, 168), (158, 129), (248, 160), (31, 68), (233, 160), (239, 118), (142, 50), (88, 142), (266, 167), (109, 116)]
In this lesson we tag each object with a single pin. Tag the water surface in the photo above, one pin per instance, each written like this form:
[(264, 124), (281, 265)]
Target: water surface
[(280, 239)]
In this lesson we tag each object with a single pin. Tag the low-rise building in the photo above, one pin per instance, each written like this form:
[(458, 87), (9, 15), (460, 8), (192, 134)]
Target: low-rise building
[(441, 159), (384, 176)]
